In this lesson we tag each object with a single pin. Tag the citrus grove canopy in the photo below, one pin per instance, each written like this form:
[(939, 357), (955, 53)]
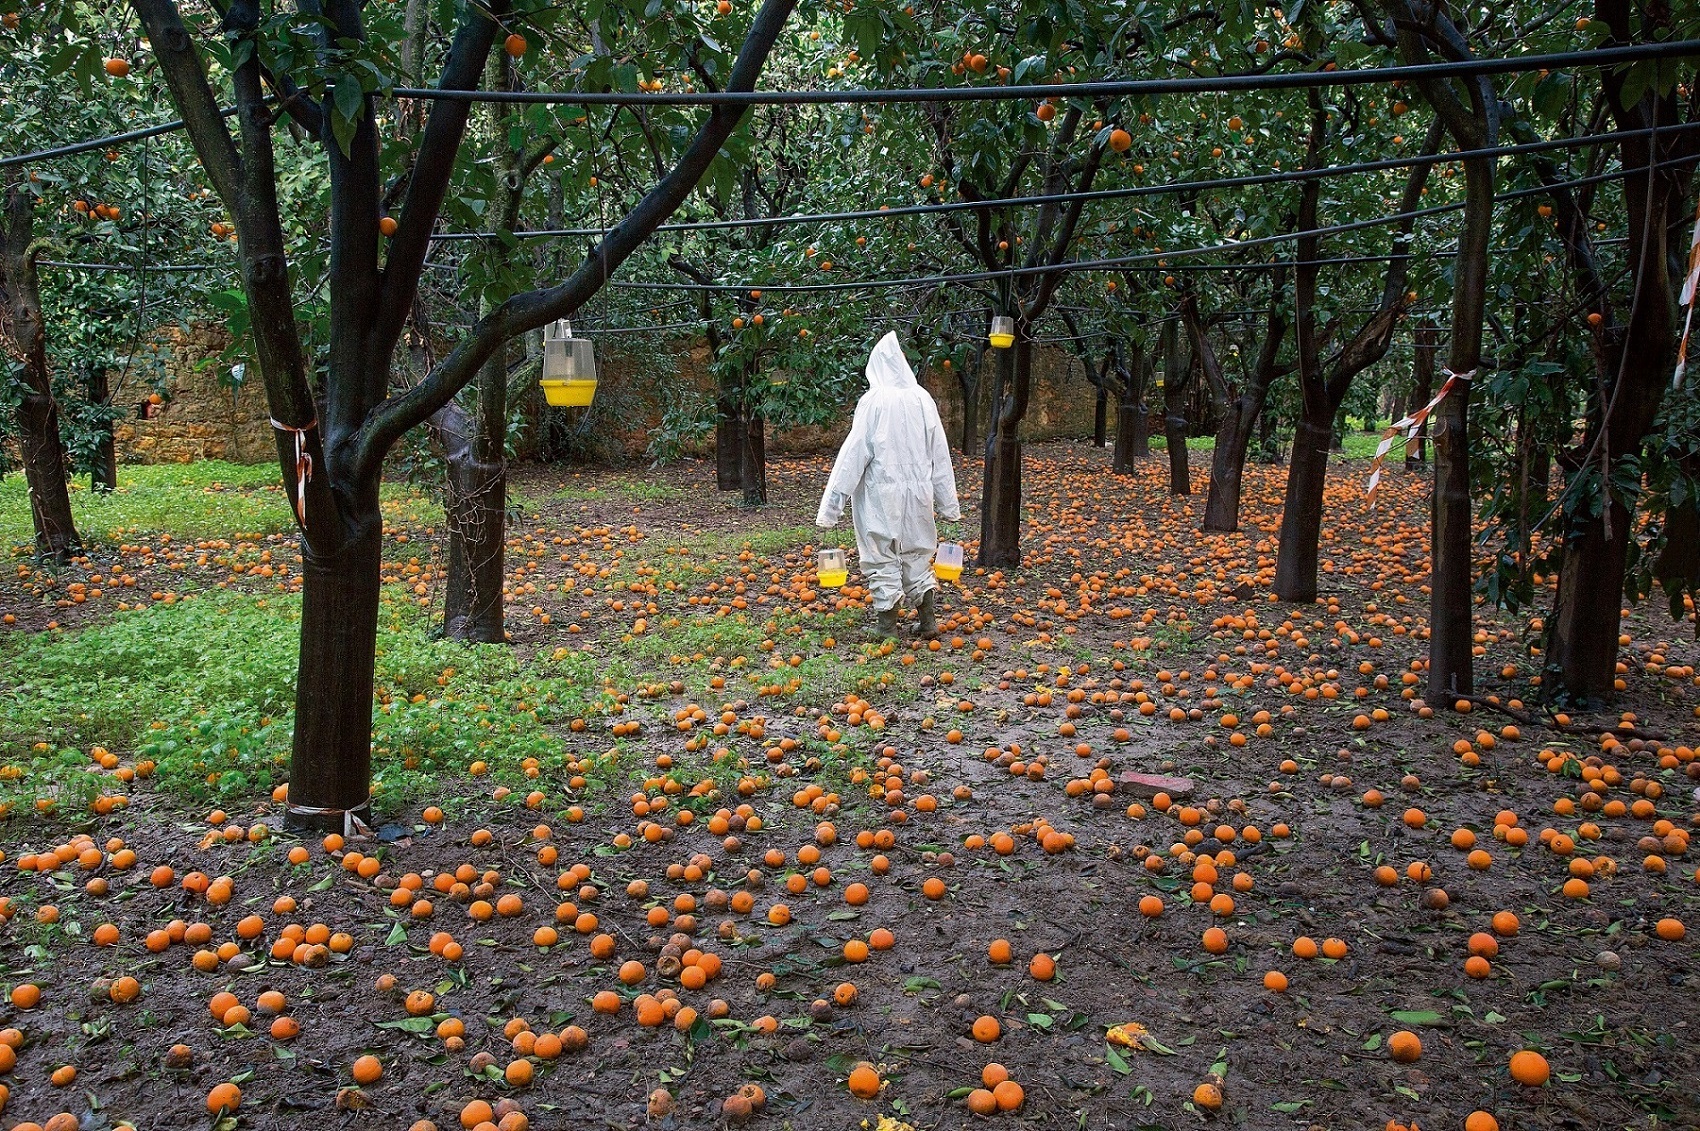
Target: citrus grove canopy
[(1270, 221)]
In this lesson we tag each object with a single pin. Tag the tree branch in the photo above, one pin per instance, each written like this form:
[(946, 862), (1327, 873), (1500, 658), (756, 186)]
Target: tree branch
[(520, 313), (432, 168)]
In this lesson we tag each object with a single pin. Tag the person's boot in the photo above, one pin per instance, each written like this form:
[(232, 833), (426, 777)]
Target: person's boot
[(929, 625), (885, 624)]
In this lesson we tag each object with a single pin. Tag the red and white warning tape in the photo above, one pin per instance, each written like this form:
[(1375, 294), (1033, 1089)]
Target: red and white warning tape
[(1410, 425), (303, 465), (1687, 299)]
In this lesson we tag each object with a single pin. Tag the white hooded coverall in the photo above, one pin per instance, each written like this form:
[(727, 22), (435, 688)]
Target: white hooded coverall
[(895, 471)]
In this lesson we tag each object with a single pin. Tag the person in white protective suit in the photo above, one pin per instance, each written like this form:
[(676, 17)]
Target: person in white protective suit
[(894, 470)]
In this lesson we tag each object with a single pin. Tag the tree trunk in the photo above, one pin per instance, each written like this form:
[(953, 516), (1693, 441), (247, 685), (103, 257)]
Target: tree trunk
[(1000, 509), (103, 474), (1100, 417), (752, 460), (1227, 470), (1425, 340), (970, 416), (330, 766), (476, 509), (1451, 641), (24, 336), (1301, 513), (1133, 418), (1176, 378), (1678, 565), (729, 430), (43, 454)]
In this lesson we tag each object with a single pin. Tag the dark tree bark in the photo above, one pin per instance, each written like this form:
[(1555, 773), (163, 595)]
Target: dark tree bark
[(1469, 110), (1425, 341), (1323, 384), (346, 438), (476, 506), (477, 488), (968, 379), (23, 334), (1634, 362), (1097, 376), (730, 428), (1026, 298), (752, 460), (1000, 513), (1177, 377), (103, 474), (1238, 409), (1133, 423)]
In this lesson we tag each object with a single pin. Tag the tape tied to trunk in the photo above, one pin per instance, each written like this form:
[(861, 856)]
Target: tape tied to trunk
[(352, 825), (303, 464), (1410, 425)]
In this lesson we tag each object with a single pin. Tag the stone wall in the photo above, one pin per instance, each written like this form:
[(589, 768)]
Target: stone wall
[(198, 418), (201, 419), (635, 386)]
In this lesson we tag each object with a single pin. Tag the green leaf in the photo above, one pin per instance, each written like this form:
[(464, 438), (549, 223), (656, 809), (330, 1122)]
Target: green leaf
[(410, 1024), (1416, 1016)]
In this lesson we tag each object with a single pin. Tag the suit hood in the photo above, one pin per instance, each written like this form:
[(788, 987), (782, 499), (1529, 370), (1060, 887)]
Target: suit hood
[(888, 369)]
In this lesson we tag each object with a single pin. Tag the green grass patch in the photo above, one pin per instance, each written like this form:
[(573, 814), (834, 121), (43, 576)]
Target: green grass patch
[(645, 490), (205, 689), (191, 501)]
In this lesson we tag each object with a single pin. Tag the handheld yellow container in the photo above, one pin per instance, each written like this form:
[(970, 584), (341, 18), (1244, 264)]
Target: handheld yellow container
[(947, 561), (831, 569)]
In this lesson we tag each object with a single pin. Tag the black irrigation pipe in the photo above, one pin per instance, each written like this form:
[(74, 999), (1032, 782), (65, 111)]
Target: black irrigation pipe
[(1122, 262), (1220, 84), (1122, 88), (1168, 187), (151, 268), (92, 144)]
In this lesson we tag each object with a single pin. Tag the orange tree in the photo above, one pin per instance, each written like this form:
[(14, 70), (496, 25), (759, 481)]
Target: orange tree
[(327, 71), (116, 214)]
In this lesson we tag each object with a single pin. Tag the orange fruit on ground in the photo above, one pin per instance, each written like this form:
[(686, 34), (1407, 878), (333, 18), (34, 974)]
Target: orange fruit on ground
[(1480, 1121), (982, 1102), (1009, 1095), (1529, 1068), (864, 1082), (224, 1098), (1275, 982), (987, 1029), (1043, 967), (1305, 947), (1404, 1046), (993, 1074), (1208, 1096), (1216, 941), (1670, 929), (368, 1069), (999, 952)]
